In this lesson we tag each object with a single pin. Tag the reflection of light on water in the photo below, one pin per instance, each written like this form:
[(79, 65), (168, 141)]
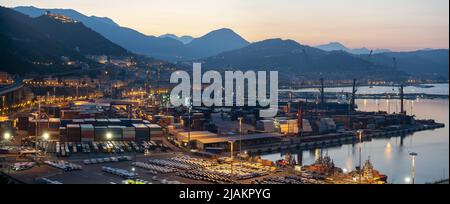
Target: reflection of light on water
[(388, 151), (407, 180), (395, 105), (349, 163), (388, 146), (316, 154), (365, 103), (378, 104), (388, 106)]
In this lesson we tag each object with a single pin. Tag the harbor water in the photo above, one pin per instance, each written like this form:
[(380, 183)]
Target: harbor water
[(391, 155)]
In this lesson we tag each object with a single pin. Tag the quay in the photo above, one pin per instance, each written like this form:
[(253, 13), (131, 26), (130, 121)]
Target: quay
[(337, 139)]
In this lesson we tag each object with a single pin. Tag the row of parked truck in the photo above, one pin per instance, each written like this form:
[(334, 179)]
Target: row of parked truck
[(64, 149)]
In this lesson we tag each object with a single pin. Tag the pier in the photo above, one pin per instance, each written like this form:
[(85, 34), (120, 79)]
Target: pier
[(338, 139)]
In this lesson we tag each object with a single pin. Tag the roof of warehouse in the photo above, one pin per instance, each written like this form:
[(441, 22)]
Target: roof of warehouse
[(236, 137), (198, 134), (153, 126)]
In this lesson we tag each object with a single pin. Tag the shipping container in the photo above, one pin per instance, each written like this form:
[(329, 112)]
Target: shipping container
[(73, 133), (91, 121), (102, 122), (142, 133), (129, 134), (114, 121), (116, 132), (100, 133), (155, 131), (87, 132)]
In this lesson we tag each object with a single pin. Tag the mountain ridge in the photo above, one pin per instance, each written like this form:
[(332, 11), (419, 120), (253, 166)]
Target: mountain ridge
[(337, 46), (162, 48), (185, 39), (293, 60)]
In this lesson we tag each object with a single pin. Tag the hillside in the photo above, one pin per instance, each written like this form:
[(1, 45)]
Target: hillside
[(421, 63), (294, 60), (165, 48), (28, 42)]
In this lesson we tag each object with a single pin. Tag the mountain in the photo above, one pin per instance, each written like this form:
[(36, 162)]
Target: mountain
[(216, 42), (426, 63), (166, 48), (333, 46), (27, 42), (162, 48), (184, 39), (336, 46), (294, 60)]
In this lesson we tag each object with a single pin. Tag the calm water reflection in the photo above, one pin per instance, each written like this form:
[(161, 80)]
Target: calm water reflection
[(436, 89), (391, 156)]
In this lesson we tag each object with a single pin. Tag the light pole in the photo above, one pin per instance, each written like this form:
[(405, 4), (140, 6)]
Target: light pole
[(240, 140), (360, 132), (109, 137), (133, 169), (189, 128), (189, 105), (45, 137), (37, 130), (231, 155), (413, 166), (7, 137)]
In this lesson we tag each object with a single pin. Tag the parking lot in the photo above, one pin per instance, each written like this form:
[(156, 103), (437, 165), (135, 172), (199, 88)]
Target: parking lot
[(153, 168)]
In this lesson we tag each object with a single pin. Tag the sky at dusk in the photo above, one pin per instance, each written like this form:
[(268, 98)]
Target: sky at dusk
[(393, 24)]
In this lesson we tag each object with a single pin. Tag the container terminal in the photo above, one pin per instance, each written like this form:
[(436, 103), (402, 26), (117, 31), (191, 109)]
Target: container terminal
[(135, 137)]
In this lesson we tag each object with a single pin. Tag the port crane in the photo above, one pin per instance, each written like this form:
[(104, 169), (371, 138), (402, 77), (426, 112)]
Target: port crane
[(401, 89)]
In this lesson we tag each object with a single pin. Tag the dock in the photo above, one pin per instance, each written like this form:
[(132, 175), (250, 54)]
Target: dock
[(338, 140)]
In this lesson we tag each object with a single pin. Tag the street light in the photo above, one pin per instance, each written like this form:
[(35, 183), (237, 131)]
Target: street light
[(413, 166), (46, 136), (7, 136), (109, 136)]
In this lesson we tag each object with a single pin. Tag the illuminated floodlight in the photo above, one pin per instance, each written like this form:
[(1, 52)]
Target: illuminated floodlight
[(109, 136), (7, 136), (46, 136)]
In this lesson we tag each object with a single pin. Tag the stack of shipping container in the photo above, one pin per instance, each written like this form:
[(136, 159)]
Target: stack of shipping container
[(87, 132), (142, 133), (155, 131), (129, 134), (116, 132), (100, 133), (73, 133)]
